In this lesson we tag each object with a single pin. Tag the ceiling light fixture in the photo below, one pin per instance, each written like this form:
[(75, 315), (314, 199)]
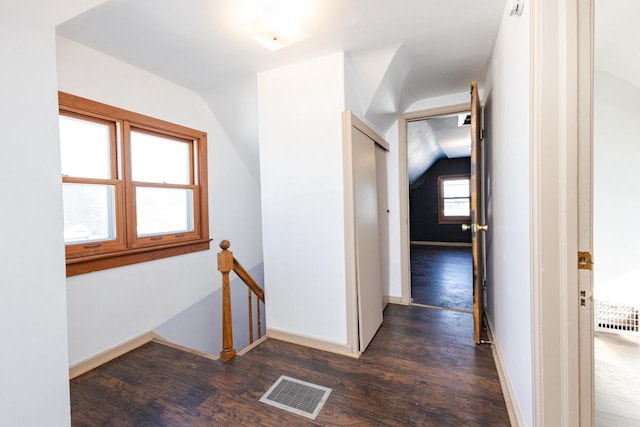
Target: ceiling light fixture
[(274, 29)]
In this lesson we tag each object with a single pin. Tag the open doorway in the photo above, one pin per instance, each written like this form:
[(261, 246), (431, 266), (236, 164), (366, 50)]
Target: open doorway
[(438, 166), (616, 273)]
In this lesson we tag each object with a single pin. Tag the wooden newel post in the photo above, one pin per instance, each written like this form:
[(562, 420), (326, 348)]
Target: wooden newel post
[(225, 265)]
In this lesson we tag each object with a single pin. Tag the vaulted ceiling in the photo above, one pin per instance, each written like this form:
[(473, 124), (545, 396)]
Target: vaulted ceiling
[(617, 37), (410, 49)]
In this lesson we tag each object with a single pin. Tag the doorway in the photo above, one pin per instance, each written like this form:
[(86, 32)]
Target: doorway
[(616, 274), (438, 169)]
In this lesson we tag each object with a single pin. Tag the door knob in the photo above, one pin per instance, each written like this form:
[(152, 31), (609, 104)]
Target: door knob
[(474, 227)]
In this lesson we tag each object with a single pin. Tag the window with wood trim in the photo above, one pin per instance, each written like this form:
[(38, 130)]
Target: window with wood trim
[(134, 187), (454, 199)]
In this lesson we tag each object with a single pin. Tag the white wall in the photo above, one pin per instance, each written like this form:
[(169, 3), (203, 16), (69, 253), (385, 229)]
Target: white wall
[(34, 388), (508, 241), (615, 171), (302, 197), (443, 101), (109, 307)]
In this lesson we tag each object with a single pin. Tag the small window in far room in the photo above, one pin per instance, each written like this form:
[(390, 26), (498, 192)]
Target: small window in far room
[(454, 199)]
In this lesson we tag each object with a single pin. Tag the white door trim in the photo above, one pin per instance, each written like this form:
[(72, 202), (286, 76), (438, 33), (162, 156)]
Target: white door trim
[(585, 206), (405, 263), (555, 135)]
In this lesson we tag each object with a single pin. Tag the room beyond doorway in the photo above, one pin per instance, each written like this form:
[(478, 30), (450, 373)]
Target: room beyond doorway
[(442, 277), (439, 184)]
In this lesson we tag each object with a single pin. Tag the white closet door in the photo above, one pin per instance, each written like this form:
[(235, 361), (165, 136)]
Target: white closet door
[(367, 237)]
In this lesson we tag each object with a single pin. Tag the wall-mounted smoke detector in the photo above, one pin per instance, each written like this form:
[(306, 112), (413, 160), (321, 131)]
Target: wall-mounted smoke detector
[(516, 7)]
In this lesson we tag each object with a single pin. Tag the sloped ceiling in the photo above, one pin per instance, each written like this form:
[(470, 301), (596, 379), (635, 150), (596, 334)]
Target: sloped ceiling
[(424, 48), (436, 138), (617, 37)]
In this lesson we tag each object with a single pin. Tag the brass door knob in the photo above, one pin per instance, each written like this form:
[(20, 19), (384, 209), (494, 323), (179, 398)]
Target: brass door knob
[(474, 227)]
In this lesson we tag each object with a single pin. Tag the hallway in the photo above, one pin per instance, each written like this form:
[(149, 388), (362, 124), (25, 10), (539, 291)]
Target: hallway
[(422, 368)]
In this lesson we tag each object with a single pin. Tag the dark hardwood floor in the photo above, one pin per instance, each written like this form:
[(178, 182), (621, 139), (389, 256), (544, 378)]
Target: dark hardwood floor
[(421, 369), (442, 276)]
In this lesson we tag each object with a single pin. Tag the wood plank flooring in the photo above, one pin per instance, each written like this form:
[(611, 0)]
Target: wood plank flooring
[(442, 276), (617, 379), (421, 369)]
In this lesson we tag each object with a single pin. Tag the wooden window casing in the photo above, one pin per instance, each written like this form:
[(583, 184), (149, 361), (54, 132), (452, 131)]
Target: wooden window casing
[(449, 219), (128, 247)]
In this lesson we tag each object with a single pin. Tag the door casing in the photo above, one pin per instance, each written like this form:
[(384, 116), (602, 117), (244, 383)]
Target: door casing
[(405, 263)]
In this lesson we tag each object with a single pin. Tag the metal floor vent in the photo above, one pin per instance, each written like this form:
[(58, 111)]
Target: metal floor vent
[(297, 396)]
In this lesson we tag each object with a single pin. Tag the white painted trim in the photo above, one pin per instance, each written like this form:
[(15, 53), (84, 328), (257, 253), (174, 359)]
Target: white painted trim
[(435, 307), (394, 300), (438, 111), (586, 53), (103, 357), (317, 343), (452, 244), (554, 213), (161, 340), (510, 398), (362, 127), (253, 345), (349, 232), (405, 263)]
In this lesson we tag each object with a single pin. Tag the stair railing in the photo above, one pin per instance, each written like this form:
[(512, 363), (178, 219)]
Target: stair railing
[(226, 264)]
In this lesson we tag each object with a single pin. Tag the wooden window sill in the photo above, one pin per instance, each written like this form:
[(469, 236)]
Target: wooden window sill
[(454, 221), (88, 264)]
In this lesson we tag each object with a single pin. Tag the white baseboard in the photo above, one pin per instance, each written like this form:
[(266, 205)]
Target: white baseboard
[(101, 358), (395, 300), (159, 339), (515, 415), (250, 347), (317, 343), (454, 244)]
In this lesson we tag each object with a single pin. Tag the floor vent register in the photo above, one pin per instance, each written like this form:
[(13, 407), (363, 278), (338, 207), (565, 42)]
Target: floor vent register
[(296, 396)]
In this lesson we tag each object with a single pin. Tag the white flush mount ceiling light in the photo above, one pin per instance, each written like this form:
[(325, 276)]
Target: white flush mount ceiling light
[(274, 28)]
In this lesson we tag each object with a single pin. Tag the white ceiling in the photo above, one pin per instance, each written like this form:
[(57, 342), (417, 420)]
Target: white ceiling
[(415, 49)]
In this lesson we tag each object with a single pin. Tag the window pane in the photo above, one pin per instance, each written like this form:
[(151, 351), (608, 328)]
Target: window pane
[(89, 212), (456, 207), (164, 210), (85, 148), (158, 159), (455, 188)]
